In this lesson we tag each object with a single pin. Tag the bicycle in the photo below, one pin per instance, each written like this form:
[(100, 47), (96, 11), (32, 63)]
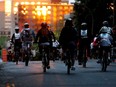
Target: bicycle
[(105, 61), (44, 55), (68, 60), (26, 52)]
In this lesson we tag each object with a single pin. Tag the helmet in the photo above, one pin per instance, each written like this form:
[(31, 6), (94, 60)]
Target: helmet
[(26, 24), (105, 23), (83, 24), (104, 30), (68, 22), (44, 24), (16, 28)]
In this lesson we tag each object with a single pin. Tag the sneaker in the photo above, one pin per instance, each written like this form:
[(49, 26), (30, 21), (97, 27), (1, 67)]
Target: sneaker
[(79, 63), (99, 61), (48, 67), (73, 68)]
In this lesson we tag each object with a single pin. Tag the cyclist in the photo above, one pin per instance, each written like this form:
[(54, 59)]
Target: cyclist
[(54, 45), (68, 39), (44, 36), (52, 36), (105, 41), (17, 40), (28, 37), (109, 29), (84, 42)]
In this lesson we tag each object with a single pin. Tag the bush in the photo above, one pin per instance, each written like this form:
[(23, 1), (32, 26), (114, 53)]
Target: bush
[(3, 40)]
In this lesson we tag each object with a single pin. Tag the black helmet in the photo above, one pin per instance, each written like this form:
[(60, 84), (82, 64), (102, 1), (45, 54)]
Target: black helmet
[(68, 22), (44, 24), (84, 26)]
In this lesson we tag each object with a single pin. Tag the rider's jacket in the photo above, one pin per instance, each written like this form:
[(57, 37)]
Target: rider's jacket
[(68, 35), (16, 37), (105, 39), (43, 38), (109, 30)]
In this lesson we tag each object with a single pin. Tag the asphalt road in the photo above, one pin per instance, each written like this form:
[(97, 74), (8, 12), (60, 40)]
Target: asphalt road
[(12, 75)]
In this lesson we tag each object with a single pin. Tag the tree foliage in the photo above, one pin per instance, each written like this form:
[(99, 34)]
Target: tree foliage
[(94, 12)]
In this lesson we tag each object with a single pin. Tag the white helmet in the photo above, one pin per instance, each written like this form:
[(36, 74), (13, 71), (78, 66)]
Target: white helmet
[(83, 24), (16, 28), (26, 24)]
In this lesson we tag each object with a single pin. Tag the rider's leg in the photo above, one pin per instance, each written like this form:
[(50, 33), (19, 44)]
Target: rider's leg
[(100, 55)]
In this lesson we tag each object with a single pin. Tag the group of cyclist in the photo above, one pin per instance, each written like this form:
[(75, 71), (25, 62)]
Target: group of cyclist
[(69, 38)]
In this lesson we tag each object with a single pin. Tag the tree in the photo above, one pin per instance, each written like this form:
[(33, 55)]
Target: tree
[(94, 12)]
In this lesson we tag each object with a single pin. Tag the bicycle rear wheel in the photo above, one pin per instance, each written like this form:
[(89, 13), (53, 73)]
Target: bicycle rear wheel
[(16, 57), (104, 62), (84, 58), (27, 58), (44, 62), (68, 66), (68, 62)]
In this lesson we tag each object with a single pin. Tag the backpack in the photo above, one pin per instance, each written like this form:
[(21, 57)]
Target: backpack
[(27, 35), (84, 33)]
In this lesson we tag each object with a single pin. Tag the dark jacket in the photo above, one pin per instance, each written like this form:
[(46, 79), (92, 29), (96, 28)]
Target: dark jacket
[(42, 38), (67, 35)]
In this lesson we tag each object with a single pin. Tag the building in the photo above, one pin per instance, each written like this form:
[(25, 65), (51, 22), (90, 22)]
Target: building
[(17, 12)]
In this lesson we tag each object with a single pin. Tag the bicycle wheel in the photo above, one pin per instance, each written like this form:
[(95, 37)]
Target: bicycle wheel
[(44, 62), (68, 62), (104, 61), (68, 66), (27, 58), (16, 57)]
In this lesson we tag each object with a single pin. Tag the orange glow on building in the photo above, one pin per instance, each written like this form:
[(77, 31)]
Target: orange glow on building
[(36, 13)]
